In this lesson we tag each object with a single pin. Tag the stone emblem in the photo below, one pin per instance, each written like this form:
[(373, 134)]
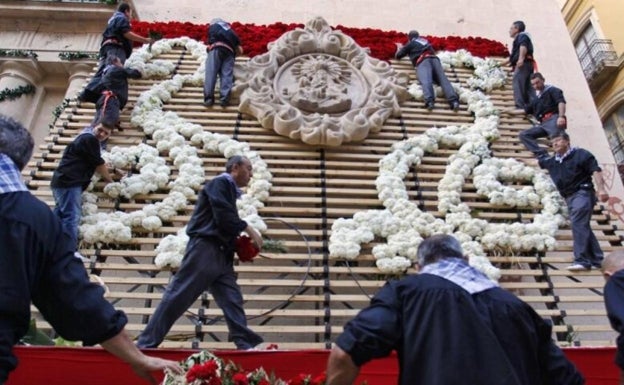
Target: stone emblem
[(318, 86)]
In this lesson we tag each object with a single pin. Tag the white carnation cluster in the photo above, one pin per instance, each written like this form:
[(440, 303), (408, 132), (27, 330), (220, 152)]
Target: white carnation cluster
[(153, 175), (169, 131), (404, 225), (170, 250)]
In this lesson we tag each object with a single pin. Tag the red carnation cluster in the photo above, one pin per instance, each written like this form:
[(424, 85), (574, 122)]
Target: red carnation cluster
[(206, 373), (382, 46), (246, 249)]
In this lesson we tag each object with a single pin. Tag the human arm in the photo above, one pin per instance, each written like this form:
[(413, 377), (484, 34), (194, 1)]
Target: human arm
[(122, 347), (601, 191), (561, 119), (255, 235), (522, 53), (340, 368), (614, 299), (403, 51), (102, 169), (138, 38), (221, 195), (132, 73)]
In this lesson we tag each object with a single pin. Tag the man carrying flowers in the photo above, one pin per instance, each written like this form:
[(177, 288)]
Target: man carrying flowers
[(208, 260)]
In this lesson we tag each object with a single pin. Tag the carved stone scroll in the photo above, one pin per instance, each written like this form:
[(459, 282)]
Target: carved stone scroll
[(318, 86)]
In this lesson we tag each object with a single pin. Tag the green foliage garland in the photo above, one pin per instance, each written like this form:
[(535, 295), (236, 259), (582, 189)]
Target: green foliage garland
[(77, 55), (18, 53), (58, 110), (14, 93)]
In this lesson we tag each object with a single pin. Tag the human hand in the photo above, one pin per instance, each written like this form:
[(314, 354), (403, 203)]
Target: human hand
[(150, 364), (603, 196), (255, 236), (562, 122), (519, 63)]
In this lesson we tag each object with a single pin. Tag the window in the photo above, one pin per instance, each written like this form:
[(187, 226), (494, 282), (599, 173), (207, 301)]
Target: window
[(614, 129), (583, 43), (593, 52)]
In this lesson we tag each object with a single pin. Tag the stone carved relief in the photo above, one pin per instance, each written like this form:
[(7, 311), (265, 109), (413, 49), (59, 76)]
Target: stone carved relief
[(318, 86)]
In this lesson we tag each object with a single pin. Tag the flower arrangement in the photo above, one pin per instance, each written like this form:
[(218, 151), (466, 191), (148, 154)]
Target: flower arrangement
[(246, 249), (204, 368), (255, 38), (404, 225), (401, 223)]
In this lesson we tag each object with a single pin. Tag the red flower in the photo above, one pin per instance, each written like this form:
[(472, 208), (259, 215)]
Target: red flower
[(301, 379), (207, 372), (246, 249), (255, 38), (319, 380), (239, 379)]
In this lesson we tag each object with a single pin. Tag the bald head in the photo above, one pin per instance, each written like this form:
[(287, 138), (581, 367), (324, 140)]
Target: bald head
[(613, 262)]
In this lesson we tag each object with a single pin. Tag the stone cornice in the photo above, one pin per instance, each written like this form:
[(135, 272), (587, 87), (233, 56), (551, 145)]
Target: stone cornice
[(55, 10)]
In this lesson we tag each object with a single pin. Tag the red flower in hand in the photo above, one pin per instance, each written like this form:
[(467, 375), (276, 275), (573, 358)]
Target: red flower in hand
[(246, 249), (207, 372)]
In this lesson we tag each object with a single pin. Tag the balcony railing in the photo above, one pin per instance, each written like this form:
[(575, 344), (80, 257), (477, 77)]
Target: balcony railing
[(599, 61)]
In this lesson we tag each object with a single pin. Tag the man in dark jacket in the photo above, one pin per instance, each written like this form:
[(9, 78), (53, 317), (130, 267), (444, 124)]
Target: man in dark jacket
[(81, 159), (223, 46), (613, 270), (37, 262), (522, 64), (549, 109), (445, 323), (115, 95), (428, 69), (117, 41), (208, 260), (572, 170)]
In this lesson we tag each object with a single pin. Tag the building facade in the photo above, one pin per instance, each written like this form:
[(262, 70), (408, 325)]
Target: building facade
[(598, 38)]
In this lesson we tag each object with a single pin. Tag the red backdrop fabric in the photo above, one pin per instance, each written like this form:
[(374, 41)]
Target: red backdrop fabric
[(94, 366)]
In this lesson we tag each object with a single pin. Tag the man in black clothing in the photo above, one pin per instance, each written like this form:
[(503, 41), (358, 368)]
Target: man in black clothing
[(37, 262), (613, 271), (208, 262), (115, 95), (428, 69), (80, 160), (117, 41), (522, 63), (223, 46), (445, 323), (549, 109), (572, 170)]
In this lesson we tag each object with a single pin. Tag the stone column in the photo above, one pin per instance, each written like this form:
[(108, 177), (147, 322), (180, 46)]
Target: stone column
[(16, 73), (78, 74)]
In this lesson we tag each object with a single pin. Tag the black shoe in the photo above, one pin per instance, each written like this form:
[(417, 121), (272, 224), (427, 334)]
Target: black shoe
[(225, 103), (429, 105), (208, 103), (454, 105)]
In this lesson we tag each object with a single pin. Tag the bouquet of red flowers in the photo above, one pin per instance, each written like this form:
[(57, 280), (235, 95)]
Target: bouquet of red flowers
[(246, 249)]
